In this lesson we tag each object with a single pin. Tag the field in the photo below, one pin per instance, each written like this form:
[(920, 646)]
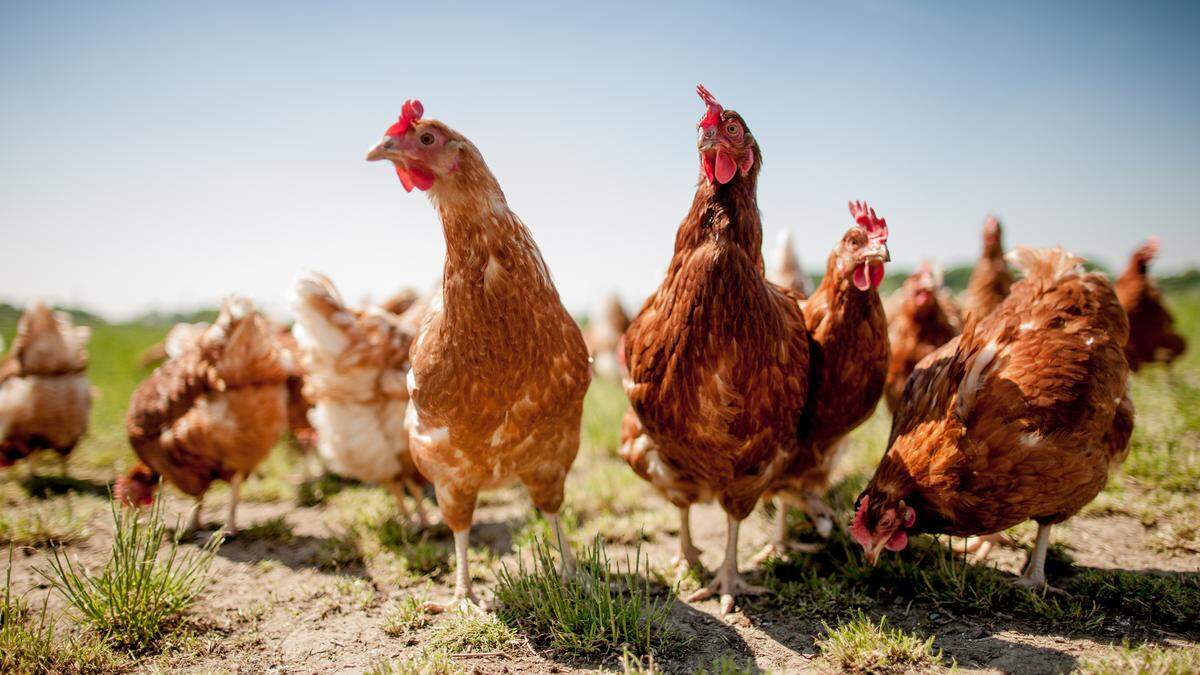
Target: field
[(325, 577)]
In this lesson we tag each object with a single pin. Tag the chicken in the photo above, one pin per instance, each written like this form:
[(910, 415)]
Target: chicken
[(1152, 336), (991, 279), (299, 405), (499, 369), (718, 356), (925, 318), (1022, 417), (357, 364), (603, 337), (212, 413), (45, 397), (786, 270), (848, 358)]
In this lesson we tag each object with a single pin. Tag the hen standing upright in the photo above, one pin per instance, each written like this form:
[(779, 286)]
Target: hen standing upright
[(499, 370), (45, 397), (357, 366), (848, 357), (1022, 417), (1152, 336), (718, 356), (213, 413), (924, 320), (991, 279)]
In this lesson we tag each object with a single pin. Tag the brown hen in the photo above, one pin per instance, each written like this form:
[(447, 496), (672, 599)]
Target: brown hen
[(603, 337), (718, 356), (1152, 336), (1022, 417), (991, 279), (499, 369), (925, 318), (848, 357), (786, 270), (45, 397), (213, 413)]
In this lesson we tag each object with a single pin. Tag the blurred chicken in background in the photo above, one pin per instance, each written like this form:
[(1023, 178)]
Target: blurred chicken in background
[(45, 397)]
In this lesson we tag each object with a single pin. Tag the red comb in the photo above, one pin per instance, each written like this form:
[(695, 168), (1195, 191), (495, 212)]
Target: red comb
[(876, 227), (713, 115), (410, 112)]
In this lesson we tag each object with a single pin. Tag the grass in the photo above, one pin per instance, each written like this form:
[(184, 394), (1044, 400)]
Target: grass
[(30, 643), (603, 611), (142, 591), (404, 617), (426, 664), (60, 520), (1144, 660), (368, 530), (860, 645), (467, 632), (273, 530)]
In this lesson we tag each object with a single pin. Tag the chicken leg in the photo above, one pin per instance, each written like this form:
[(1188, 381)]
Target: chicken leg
[(464, 596), (1034, 576), (417, 494), (728, 583), (564, 549), (779, 546), (194, 521), (235, 489), (688, 556), (981, 546)]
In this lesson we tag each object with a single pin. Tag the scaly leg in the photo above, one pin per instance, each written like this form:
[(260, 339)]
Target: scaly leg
[(1035, 571), (235, 489), (728, 583), (464, 597), (397, 490), (778, 545), (564, 548), (820, 514), (689, 555)]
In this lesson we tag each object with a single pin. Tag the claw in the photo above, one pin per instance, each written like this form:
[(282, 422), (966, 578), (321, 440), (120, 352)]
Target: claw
[(727, 587), (465, 603)]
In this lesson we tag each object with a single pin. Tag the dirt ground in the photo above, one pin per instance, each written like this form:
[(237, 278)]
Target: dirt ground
[(272, 608)]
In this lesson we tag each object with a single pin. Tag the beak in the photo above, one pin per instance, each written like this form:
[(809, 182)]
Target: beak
[(381, 149), (878, 253)]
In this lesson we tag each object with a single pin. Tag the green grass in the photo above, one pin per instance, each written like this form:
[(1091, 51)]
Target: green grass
[(368, 529), (425, 664), (405, 616), (1144, 660), (469, 631), (30, 642), (142, 591), (860, 645), (604, 610), (60, 520), (275, 530)]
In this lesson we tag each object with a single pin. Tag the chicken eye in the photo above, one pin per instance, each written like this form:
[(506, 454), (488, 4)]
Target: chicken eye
[(426, 138), (733, 129)]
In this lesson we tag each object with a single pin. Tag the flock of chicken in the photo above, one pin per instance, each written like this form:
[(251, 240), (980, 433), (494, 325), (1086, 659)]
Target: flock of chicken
[(741, 387)]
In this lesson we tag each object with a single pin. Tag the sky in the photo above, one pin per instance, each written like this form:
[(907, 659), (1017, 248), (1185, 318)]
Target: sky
[(161, 155)]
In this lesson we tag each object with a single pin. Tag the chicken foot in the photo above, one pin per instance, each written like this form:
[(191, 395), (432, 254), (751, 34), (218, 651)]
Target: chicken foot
[(464, 597), (1034, 576), (728, 584)]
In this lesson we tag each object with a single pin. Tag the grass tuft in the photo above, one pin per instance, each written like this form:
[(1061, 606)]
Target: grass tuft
[(470, 631), (604, 610), (275, 530), (140, 594), (404, 617), (862, 646), (30, 644)]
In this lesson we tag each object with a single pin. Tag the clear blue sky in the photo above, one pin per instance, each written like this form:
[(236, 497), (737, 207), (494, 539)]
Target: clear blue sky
[(162, 156)]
